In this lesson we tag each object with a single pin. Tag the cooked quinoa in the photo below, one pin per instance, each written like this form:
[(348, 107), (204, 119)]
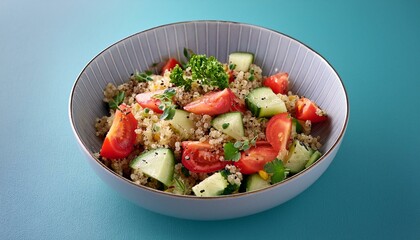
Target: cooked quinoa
[(152, 132)]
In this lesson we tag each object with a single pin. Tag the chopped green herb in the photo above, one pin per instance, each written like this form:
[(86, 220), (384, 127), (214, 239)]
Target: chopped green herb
[(225, 125), (238, 144), (232, 66), (180, 186), (177, 78), (166, 104), (277, 171), (207, 70), (118, 99), (231, 152), (251, 77), (146, 110), (143, 77), (231, 188)]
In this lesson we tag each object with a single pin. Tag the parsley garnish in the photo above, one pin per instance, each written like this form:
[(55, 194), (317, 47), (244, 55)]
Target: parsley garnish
[(207, 70), (225, 125), (143, 77), (177, 78), (118, 99), (232, 151), (232, 66), (277, 171), (166, 104)]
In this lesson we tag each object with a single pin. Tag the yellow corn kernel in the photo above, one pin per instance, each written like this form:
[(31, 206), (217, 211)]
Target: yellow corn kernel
[(156, 136), (263, 174)]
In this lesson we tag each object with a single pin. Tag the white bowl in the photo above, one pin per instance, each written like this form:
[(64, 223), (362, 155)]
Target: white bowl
[(310, 74)]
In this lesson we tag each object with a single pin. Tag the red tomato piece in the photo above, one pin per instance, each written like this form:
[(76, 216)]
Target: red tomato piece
[(146, 100), (278, 82), (278, 131), (254, 159), (237, 104), (170, 64), (201, 157), (308, 110), (119, 141), (212, 103)]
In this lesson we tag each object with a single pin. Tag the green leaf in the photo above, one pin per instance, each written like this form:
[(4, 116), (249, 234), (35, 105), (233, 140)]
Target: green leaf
[(277, 171), (177, 78), (231, 152), (209, 71), (225, 125), (168, 113), (232, 66), (143, 77), (238, 144), (118, 99), (188, 53)]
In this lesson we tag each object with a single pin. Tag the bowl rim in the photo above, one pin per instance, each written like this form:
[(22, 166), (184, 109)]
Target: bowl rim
[(236, 195)]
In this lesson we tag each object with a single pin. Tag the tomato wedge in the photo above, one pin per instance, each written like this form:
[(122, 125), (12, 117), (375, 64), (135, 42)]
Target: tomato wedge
[(278, 131), (212, 103), (237, 104), (254, 159), (200, 157), (170, 64), (146, 100), (278, 82), (308, 110), (120, 139)]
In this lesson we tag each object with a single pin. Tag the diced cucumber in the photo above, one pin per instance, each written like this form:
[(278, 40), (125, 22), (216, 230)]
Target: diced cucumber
[(242, 60), (230, 124), (182, 124), (255, 182), (298, 156), (315, 156), (211, 186), (158, 164), (263, 102)]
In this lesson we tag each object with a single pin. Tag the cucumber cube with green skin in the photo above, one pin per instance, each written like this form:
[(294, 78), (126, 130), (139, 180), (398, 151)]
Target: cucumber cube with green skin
[(182, 124), (298, 156), (211, 186), (315, 156), (256, 182), (230, 124), (157, 163), (263, 102), (241, 60)]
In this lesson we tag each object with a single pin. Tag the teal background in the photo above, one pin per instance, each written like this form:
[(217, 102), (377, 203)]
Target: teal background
[(370, 191)]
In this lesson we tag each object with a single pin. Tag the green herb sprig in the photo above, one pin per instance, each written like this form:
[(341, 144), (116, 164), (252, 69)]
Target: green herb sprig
[(276, 170), (166, 104), (117, 100), (177, 78), (232, 151), (143, 77), (207, 70)]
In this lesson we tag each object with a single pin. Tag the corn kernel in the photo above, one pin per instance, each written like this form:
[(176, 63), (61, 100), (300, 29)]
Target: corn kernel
[(263, 174)]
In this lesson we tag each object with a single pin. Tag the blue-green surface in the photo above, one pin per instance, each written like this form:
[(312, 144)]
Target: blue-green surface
[(370, 191)]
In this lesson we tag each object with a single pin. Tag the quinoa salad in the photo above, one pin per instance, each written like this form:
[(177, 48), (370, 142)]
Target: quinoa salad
[(195, 126)]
